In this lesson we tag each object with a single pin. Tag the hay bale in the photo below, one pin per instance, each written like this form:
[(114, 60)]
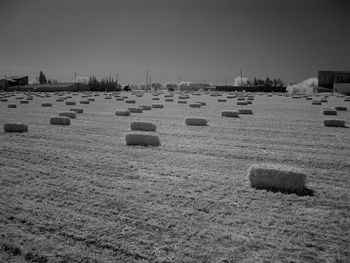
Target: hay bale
[(334, 123), (120, 99), (195, 105), (70, 103), (202, 103), (122, 113), (68, 114), (242, 103), (347, 99), (130, 101), (316, 102), (245, 111), (15, 127), (278, 177), (327, 111), (90, 99), (182, 101), (135, 110), (232, 114), (193, 121), (47, 104), (341, 108), (158, 106), (12, 106), (24, 101), (143, 126), (145, 107), (59, 100), (108, 98), (142, 139), (222, 100), (84, 102), (169, 100), (155, 98), (77, 110), (3, 100), (60, 120)]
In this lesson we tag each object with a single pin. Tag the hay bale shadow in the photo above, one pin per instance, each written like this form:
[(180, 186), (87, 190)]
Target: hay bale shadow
[(303, 192)]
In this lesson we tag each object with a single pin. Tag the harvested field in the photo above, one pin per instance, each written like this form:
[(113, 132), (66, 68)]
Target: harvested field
[(78, 193)]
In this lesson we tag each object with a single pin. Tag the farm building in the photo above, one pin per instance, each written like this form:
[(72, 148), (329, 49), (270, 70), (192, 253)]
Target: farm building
[(13, 81), (338, 81)]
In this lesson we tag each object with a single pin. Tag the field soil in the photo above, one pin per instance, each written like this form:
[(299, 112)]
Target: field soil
[(78, 193)]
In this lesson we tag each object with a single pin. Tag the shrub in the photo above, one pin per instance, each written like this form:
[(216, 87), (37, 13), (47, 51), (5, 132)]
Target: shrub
[(279, 177), (143, 126), (192, 121), (142, 139), (15, 127)]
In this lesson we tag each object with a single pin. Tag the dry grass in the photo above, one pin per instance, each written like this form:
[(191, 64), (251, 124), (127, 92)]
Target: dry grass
[(80, 194)]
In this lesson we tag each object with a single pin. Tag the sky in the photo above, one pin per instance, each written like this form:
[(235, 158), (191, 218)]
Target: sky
[(188, 40)]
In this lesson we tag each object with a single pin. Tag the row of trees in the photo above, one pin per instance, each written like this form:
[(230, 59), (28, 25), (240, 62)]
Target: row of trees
[(107, 84)]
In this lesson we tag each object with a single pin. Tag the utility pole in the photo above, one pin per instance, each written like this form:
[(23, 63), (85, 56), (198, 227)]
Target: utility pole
[(116, 80), (241, 77), (75, 79), (150, 82), (146, 79)]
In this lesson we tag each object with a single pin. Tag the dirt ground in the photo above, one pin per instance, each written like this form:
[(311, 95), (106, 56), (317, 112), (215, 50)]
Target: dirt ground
[(77, 193)]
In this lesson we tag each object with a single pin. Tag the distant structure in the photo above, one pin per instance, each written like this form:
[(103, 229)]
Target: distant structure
[(195, 87), (50, 87), (13, 81), (337, 81)]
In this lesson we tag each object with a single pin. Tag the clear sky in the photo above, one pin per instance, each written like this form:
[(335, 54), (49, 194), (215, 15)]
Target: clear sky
[(196, 40)]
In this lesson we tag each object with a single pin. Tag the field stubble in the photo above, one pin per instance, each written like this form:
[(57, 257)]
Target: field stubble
[(79, 194)]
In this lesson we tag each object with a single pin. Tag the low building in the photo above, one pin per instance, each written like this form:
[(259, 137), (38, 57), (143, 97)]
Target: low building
[(13, 81), (336, 81)]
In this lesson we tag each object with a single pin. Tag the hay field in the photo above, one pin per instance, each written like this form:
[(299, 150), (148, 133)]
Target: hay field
[(78, 193)]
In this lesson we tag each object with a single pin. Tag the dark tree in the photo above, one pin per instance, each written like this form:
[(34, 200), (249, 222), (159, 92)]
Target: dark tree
[(42, 78)]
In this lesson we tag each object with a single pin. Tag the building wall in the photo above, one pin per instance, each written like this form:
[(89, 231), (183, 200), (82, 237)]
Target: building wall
[(342, 88), (326, 79)]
